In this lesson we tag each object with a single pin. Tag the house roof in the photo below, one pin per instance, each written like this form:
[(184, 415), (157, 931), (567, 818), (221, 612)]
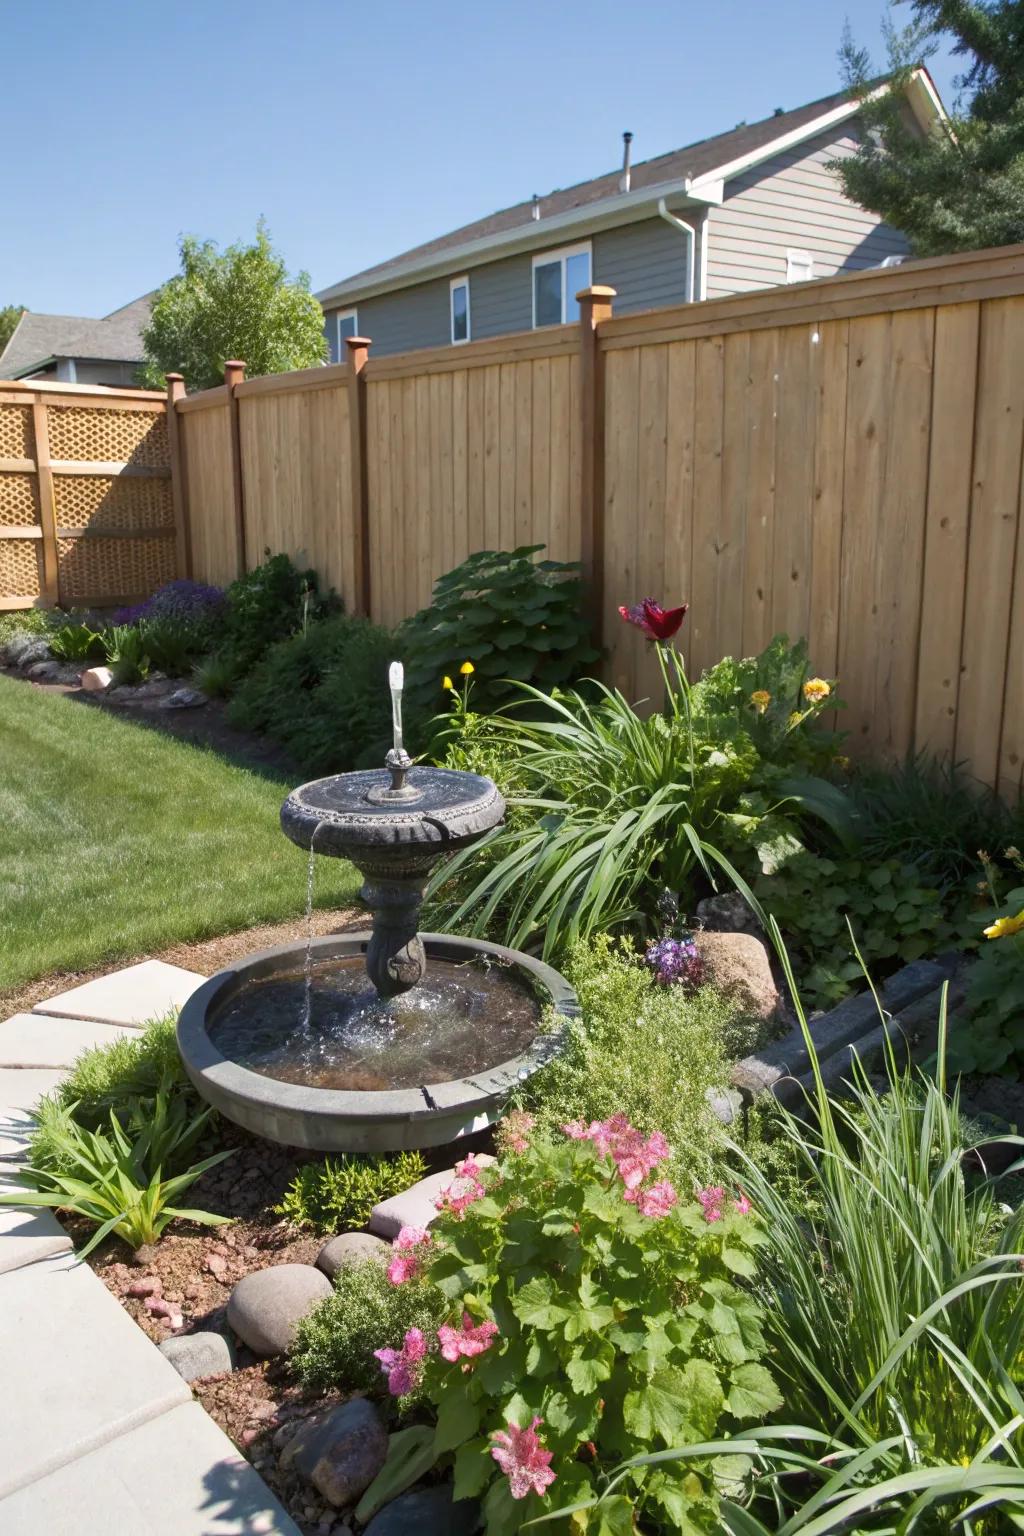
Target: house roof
[(37, 339), (680, 171)]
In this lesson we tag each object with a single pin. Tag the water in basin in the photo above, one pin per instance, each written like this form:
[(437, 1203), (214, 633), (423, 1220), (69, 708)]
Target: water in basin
[(461, 1019)]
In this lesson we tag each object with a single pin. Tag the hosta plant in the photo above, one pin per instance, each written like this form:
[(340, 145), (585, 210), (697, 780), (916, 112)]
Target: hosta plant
[(593, 1314)]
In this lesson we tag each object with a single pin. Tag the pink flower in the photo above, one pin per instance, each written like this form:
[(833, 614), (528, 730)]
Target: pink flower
[(711, 1199), (463, 1191), (406, 1262), (524, 1460), (467, 1340), (399, 1365), (742, 1205), (655, 1201), (634, 1155), (513, 1133)]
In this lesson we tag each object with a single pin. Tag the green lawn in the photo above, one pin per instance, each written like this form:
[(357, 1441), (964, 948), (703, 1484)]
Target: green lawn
[(116, 840)]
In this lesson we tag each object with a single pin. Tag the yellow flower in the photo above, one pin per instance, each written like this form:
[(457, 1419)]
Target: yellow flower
[(760, 699), (467, 669), (794, 719), (816, 689), (842, 763), (446, 682), (1004, 926)]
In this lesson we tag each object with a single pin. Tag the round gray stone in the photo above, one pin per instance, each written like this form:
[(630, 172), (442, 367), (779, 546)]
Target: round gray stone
[(428, 1512), (266, 1307), (351, 1248), (199, 1354)]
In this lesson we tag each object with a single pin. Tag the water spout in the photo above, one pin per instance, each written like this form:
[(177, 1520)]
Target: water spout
[(396, 682)]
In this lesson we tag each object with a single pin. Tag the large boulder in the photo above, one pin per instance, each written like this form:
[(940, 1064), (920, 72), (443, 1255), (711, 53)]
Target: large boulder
[(339, 1452), (737, 965), (351, 1248), (266, 1307)]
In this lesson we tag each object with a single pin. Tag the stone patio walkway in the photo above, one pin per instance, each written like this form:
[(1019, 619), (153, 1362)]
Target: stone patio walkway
[(99, 1432)]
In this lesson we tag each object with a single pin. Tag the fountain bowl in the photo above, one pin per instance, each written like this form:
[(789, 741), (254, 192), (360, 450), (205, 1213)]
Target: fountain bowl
[(365, 1120)]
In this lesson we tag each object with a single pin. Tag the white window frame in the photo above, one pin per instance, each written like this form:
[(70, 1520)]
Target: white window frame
[(459, 282), (799, 266), (547, 259), (337, 317)]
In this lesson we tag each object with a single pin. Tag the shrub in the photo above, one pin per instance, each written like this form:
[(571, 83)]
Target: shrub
[(126, 654), (334, 1342), (215, 675), (268, 604), (172, 645), (115, 1177), (895, 917), (593, 1314), (651, 1051), (77, 642), (338, 1196), (191, 603), (28, 621), (993, 1038), (323, 694), (511, 615)]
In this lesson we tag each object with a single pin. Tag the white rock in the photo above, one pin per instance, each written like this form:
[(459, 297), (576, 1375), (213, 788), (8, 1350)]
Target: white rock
[(97, 679)]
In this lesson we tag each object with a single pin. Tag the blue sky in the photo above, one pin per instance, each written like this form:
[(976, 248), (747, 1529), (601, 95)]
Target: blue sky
[(356, 129)]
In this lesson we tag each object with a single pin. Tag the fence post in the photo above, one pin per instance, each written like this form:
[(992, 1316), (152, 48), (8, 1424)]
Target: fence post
[(595, 305), (358, 349), (47, 502), (234, 373), (179, 490)]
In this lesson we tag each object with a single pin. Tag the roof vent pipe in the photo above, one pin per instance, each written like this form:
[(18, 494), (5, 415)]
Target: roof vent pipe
[(535, 210), (627, 139)]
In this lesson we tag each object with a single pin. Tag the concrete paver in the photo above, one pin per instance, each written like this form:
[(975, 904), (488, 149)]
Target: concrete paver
[(131, 996), (33, 1040), (26, 1236), (21, 1088)]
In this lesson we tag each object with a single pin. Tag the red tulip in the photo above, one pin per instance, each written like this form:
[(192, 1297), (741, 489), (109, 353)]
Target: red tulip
[(657, 623)]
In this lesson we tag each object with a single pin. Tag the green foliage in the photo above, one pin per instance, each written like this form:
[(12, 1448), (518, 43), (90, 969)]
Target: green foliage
[(992, 1040), (960, 187), (215, 675), (27, 621), (323, 694), (895, 919), (334, 1342), (619, 806), (512, 616), (339, 1196), (10, 314), (652, 1052), (410, 1457), (238, 303), (77, 642), (115, 1177), (266, 605), (127, 656), (172, 645), (621, 1332)]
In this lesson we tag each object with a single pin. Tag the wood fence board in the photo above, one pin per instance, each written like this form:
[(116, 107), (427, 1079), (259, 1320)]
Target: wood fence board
[(647, 528), (621, 472), (750, 628), (523, 517), (677, 522), (538, 520), (707, 496), (793, 497), (827, 420)]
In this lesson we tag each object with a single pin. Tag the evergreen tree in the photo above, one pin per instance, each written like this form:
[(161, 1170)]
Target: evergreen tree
[(9, 317), (235, 303), (961, 187)]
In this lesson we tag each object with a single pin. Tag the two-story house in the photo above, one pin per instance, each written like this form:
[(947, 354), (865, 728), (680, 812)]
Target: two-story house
[(750, 208)]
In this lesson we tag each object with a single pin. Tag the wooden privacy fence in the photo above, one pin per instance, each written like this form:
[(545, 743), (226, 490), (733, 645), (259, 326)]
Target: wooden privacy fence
[(87, 507), (839, 459)]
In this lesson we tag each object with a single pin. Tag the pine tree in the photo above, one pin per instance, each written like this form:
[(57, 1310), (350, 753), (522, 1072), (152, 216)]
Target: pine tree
[(960, 187)]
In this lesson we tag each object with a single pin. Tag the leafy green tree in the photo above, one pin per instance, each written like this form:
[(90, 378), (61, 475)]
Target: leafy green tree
[(961, 187), (9, 318), (239, 303)]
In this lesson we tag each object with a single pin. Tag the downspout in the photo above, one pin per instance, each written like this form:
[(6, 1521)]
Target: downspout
[(691, 234)]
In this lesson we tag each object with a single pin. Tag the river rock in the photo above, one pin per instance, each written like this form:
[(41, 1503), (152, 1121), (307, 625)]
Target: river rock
[(199, 1354), (45, 671), (184, 698), (25, 650), (737, 965), (96, 679), (416, 1206), (351, 1248), (339, 1452), (266, 1307), (727, 913), (428, 1512)]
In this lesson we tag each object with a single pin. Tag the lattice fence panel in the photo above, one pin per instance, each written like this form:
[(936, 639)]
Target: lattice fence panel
[(97, 569), (19, 568), (15, 432), (101, 501), (19, 506), (123, 437)]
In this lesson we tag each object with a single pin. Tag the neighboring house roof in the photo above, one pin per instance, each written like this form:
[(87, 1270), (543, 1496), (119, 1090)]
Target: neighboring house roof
[(694, 173), (41, 339)]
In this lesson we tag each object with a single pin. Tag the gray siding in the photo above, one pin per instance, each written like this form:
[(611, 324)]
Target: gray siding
[(408, 318), (793, 201), (501, 297), (645, 263)]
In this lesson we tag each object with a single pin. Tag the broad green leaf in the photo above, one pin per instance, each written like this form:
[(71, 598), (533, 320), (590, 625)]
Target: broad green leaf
[(458, 1418), (534, 1304), (752, 1392)]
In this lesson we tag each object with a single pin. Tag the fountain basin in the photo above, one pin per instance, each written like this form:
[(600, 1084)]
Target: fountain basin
[(375, 1119)]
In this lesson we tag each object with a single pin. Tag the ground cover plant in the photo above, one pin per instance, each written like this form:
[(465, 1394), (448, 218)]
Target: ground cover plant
[(119, 841), (339, 1194)]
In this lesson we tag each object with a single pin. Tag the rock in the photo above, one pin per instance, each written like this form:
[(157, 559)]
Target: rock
[(45, 671), (153, 688), (25, 650), (428, 1512), (339, 1452), (351, 1248), (184, 698), (415, 1207), (151, 1286), (726, 1104), (265, 1308), (199, 1354), (727, 913), (737, 965), (96, 679)]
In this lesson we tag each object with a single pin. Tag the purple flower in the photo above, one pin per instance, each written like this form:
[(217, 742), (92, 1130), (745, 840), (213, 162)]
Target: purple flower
[(674, 961), (188, 602)]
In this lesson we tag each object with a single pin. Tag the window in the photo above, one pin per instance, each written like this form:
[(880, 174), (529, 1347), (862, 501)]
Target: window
[(558, 277), (339, 325), (799, 266), (460, 310)]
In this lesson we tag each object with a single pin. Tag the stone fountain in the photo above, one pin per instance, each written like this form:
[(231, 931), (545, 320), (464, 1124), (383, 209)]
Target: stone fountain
[(380, 1040)]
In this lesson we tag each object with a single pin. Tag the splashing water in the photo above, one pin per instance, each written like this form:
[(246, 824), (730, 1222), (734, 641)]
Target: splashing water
[(307, 1009)]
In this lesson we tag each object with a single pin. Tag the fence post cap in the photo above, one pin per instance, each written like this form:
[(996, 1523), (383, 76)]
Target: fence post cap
[(597, 291), (233, 362)]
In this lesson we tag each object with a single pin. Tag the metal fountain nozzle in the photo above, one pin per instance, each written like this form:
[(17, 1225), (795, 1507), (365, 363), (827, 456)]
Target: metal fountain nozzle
[(398, 762)]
